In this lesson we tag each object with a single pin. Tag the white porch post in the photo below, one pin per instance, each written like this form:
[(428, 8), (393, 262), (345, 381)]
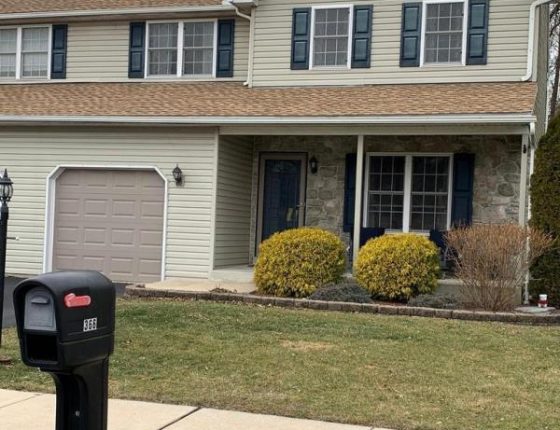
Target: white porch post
[(525, 148), (358, 196), (523, 180)]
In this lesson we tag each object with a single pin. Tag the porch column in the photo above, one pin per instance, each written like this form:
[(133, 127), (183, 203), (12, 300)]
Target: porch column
[(523, 180), (523, 211), (358, 197)]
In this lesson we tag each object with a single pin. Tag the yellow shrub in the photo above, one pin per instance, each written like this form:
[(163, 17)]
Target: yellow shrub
[(398, 266), (294, 263)]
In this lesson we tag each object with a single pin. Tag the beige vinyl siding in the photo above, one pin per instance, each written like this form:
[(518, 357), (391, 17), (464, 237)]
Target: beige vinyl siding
[(31, 154), (507, 48), (241, 49), (99, 51), (233, 201), (541, 72)]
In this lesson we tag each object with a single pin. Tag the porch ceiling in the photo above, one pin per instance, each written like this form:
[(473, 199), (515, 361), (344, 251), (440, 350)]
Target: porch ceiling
[(222, 103)]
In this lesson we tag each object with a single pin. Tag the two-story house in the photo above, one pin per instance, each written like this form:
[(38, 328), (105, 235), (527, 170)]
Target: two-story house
[(158, 139)]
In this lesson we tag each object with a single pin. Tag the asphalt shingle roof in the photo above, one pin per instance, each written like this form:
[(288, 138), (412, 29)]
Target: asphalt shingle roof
[(225, 99), (24, 6)]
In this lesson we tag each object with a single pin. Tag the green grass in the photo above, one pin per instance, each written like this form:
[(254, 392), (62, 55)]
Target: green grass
[(404, 373)]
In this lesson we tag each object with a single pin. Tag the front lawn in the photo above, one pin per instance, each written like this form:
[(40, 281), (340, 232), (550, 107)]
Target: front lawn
[(404, 373)]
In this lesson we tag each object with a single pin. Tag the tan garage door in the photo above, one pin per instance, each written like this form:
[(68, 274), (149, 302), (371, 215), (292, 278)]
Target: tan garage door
[(110, 221)]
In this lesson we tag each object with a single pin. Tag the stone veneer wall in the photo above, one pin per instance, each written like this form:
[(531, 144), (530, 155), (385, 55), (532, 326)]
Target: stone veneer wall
[(325, 190), (497, 168), (496, 182)]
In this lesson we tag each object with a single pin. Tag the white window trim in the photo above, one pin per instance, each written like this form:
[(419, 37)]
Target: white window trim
[(423, 36), (407, 200), (180, 46), (350, 33), (19, 56)]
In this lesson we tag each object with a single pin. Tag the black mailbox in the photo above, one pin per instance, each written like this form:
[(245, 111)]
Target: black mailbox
[(66, 324)]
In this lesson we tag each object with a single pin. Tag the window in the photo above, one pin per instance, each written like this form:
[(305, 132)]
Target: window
[(35, 52), (198, 47), (24, 52), (444, 40), (386, 192), (430, 193), (162, 49), (8, 53), (408, 192), (181, 49), (331, 36)]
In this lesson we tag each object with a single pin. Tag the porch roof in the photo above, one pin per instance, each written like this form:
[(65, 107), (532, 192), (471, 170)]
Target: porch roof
[(224, 101)]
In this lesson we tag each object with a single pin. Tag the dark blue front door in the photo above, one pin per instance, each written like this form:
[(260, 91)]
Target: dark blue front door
[(281, 196)]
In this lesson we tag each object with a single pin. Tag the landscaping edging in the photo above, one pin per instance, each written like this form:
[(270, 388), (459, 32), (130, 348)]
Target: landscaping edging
[(459, 314)]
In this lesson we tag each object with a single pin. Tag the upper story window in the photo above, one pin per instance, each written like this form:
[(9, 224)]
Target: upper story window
[(198, 48), (331, 36), (181, 49), (24, 52), (444, 37), (337, 37), (162, 49), (35, 52)]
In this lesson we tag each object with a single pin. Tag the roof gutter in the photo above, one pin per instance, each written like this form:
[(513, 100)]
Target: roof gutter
[(491, 119), (532, 35), (227, 7)]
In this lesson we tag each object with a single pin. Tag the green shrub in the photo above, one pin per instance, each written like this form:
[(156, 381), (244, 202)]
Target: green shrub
[(343, 292), (545, 199), (398, 266), (294, 263), (443, 301)]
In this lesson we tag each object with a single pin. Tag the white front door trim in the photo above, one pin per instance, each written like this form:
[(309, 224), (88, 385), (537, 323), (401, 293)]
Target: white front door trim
[(48, 246)]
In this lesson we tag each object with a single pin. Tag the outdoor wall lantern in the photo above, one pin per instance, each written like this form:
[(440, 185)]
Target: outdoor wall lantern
[(6, 188), (313, 165), (178, 175)]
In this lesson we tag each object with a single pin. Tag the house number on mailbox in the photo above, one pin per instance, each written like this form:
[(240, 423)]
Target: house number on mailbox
[(90, 324)]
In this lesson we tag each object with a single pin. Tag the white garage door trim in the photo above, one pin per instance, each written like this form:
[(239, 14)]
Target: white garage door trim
[(48, 248)]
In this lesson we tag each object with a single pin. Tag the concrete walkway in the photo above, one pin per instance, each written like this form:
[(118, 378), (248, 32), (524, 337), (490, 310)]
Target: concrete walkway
[(33, 411), (202, 285)]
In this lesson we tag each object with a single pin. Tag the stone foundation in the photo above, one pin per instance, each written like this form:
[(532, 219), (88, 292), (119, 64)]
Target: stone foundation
[(496, 181)]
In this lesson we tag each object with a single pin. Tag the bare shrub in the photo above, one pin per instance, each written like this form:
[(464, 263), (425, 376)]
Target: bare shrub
[(493, 260)]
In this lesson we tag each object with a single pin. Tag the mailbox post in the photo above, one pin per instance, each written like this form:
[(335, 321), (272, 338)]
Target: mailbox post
[(66, 324)]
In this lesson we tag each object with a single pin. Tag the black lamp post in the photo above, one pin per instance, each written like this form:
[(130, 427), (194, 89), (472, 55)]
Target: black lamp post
[(6, 193)]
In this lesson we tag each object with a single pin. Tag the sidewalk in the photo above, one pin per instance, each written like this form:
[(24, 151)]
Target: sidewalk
[(33, 411)]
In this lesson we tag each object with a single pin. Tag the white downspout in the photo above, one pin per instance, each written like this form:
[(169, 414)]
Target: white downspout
[(531, 42), (250, 64), (251, 20)]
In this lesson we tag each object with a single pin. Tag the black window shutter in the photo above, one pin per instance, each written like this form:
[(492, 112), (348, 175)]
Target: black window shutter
[(477, 36), (136, 50), (361, 39), (301, 31), (411, 32), (226, 40), (59, 48), (349, 192), (463, 179)]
